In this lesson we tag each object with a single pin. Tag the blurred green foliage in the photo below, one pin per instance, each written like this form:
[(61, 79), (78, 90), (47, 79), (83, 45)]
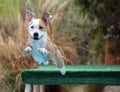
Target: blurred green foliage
[(107, 12), (9, 9)]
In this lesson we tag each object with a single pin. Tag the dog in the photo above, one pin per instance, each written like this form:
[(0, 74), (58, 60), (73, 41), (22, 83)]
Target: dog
[(40, 45)]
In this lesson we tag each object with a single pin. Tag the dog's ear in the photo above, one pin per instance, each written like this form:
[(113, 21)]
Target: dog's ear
[(46, 18), (29, 15)]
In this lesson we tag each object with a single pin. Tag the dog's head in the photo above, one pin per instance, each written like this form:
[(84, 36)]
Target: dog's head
[(37, 27)]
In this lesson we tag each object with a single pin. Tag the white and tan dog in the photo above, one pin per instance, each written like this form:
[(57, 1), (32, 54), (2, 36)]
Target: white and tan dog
[(40, 45)]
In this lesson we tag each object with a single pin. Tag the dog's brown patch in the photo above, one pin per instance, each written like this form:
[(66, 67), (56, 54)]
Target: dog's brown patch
[(41, 23)]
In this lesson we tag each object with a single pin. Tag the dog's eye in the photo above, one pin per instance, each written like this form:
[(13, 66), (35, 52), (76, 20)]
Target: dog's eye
[(32, 27), (40, 27)]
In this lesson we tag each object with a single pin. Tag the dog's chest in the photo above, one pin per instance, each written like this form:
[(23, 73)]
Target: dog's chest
[(38, 43), (38, 57)]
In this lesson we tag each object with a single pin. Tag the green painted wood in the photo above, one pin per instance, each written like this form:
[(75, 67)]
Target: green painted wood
[(76, 74)]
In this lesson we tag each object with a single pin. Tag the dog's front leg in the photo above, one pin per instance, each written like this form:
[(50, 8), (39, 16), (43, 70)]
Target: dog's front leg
[(44, 52), (28, 51)]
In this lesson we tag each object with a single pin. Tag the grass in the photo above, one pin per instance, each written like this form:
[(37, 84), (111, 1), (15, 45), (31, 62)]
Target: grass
[(7, 78)]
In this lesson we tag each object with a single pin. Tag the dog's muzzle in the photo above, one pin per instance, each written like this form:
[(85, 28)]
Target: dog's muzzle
[(36, 36)]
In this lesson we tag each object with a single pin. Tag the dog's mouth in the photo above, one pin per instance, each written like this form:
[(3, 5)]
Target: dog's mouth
[(37, 38)]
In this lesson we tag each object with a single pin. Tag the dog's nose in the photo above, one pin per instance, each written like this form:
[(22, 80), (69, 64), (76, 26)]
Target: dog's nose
[(36, 34)]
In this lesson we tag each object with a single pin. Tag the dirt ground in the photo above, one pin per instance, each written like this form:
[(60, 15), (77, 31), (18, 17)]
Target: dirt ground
[(85, 88), (112, 89)]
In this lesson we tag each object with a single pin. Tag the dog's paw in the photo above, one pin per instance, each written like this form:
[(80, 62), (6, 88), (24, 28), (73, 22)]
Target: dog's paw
[(45, 62), (63, 70), (28, 51), (43, 51)]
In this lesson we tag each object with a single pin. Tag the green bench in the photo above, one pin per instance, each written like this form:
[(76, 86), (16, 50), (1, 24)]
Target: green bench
[(75, 74)]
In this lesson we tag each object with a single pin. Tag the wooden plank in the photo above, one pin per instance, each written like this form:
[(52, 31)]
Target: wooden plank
[(76, 74)]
